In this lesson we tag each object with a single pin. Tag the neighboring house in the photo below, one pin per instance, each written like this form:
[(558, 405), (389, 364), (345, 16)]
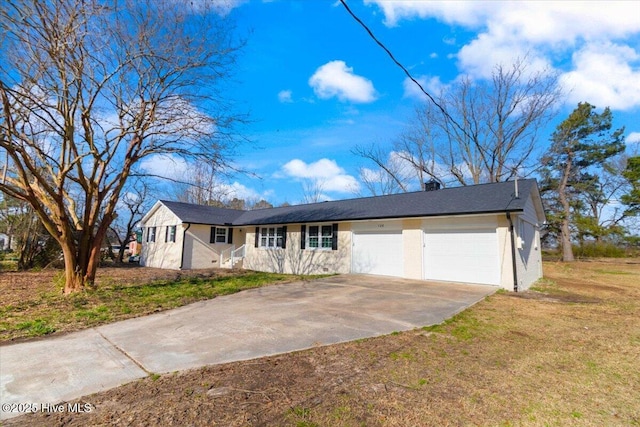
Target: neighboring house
[(5, 241), (135, 243), (487, 234)]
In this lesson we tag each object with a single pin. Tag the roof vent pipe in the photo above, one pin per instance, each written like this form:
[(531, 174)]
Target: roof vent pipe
[(431, 186), (516, 184)]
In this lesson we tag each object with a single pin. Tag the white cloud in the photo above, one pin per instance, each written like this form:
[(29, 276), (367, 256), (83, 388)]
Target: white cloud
[(325, 173), (432, 85), (335, 79), (284, 96), (221, 7), (604, 70), (480, 57), (633, 138), (468, 13), (240, 191), (540, 22), (166, 166), (604, 77)]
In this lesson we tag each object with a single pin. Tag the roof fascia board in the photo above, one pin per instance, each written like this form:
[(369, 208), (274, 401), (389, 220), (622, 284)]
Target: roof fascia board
[(537, 202)]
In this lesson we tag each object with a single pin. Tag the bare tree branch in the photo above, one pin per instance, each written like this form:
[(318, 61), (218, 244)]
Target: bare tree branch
[(91, 88)]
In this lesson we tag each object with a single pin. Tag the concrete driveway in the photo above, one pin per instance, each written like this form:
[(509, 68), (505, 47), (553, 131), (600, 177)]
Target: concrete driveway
[(250, 324)]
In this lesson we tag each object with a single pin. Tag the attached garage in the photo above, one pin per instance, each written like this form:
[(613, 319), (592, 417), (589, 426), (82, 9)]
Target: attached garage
[(379, 252), (462, 251)]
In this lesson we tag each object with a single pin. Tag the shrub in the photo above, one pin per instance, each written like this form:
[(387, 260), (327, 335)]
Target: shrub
[(599, 250)]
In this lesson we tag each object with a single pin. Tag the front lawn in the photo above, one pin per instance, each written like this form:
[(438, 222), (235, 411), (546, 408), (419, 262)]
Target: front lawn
[(32, 304)]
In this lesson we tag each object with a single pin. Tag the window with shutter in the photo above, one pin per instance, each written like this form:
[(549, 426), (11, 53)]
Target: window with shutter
[(323, 236)]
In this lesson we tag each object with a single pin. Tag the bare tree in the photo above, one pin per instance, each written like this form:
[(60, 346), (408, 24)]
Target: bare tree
[(90, 88), (492, 129), (391, 175), (132, 206), (312, 191), (489, 131)]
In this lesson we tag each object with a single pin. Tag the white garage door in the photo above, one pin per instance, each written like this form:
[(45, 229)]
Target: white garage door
[(378, 253), (462, 256)]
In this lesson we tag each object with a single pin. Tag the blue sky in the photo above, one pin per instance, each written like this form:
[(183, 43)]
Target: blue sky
[(316, 85)]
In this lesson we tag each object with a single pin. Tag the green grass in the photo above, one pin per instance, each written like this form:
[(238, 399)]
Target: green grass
[(599, 250), (603, 271), (462, 326), (48, 312), (35, 328), (8, 265)]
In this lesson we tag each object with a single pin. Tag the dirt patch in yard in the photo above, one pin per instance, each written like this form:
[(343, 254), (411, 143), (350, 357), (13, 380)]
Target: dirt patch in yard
[(566, 353)]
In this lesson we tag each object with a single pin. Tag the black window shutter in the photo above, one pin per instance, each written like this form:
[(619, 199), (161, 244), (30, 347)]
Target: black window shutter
[(303, 236), (212, 236), (229, 235), (284, 237), (257, 236), (334, 238), (166, 234)]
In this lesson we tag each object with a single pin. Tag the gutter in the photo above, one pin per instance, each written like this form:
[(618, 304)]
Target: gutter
[(513, 253), (184, 235)]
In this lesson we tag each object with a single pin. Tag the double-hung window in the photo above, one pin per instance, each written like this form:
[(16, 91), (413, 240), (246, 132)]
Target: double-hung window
[(151, 234), (321, 237), (170, 234), (272, 237), (219, 235)]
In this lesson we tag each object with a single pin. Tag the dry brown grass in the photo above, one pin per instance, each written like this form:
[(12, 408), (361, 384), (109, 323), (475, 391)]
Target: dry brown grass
[(567, 353)]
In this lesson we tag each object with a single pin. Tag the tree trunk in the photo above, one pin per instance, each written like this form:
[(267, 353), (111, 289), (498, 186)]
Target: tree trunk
[(73, 278), (77, 275), (565, 231), (567, 249), (120, 257), (93, 261)]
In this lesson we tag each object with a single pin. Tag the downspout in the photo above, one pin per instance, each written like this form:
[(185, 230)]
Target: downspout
[(513, 253), (184, 239)]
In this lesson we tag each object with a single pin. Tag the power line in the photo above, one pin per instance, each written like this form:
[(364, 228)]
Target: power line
[(402, 67)]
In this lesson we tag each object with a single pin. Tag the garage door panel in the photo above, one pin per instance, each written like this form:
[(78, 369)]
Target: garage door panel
[(462, 256), (378, 253)]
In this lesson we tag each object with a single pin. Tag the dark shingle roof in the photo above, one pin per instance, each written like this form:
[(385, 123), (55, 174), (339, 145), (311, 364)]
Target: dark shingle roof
[(483, 198), (200, 214)]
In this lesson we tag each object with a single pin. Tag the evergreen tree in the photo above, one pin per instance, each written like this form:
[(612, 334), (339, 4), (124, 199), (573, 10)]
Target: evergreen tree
[(579, 145)]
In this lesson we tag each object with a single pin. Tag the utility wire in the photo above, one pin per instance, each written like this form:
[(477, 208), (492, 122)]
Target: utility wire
[(393, 58), (402, 67)]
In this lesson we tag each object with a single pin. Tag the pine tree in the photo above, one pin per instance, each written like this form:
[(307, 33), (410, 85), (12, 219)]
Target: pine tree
[(581, 143)]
